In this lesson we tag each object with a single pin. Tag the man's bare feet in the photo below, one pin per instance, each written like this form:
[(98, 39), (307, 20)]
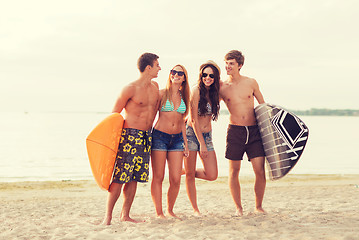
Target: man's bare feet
[(106, 221), (239, 212), (128, 219), (197, 213), (173, 215), (161, 216), (260, 210)]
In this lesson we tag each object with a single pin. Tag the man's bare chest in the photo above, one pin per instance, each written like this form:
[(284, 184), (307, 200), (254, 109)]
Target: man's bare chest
[(145, 98), (239, 92)]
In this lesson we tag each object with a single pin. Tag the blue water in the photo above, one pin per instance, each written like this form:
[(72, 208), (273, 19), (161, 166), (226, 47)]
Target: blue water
[(51, 146)]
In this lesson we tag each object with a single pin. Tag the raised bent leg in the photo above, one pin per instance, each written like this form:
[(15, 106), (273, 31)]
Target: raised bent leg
[(210, 168)]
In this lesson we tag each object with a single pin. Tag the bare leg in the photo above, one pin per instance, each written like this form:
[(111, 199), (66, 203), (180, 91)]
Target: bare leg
[(210, 169), (129, 192), (174, 169), (113, 194), (260, 182), (234, 186), (190, 167), (158, 160)]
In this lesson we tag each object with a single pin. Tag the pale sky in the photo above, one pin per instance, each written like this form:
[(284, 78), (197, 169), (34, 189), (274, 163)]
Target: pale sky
[(77, 55)]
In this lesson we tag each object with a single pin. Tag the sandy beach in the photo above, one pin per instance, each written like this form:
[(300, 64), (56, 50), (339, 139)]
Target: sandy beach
[(298, 207)]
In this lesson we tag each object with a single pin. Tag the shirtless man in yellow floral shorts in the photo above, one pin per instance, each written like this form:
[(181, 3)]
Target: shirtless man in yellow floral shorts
[(140, 101)]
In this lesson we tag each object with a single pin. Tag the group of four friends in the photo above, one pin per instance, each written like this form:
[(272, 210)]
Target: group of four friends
[(182, 130)]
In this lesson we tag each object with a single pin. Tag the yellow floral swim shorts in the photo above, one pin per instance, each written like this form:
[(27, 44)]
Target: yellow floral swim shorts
[(133, 156)]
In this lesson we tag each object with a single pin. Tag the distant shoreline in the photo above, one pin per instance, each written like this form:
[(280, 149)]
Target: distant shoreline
[(326, 112), (318, 112)]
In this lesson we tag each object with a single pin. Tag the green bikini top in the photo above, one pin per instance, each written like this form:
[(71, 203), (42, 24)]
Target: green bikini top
[(169, 107)]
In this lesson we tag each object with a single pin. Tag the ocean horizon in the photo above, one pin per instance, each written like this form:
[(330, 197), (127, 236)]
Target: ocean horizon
[(50, 146)]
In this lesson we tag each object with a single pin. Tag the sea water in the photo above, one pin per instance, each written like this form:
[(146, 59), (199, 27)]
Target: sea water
[(40, 146)]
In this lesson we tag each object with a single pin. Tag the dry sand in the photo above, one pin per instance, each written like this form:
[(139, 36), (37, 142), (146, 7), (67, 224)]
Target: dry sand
[(298, 207)]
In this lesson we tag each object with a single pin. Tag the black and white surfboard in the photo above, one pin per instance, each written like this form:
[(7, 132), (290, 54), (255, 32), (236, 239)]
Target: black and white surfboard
[(284, 137)]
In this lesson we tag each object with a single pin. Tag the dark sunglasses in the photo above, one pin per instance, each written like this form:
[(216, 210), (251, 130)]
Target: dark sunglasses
[(179, 73), (210, 75)]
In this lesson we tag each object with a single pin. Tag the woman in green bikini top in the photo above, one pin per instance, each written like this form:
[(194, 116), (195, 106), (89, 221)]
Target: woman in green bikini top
[(169, 107), (169, 140)]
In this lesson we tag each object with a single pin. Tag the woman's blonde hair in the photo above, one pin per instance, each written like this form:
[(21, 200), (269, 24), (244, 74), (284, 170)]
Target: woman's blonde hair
[(184, 89)]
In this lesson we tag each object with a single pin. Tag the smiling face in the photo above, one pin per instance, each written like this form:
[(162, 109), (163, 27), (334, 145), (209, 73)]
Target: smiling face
[(208, 77), (175, 75), (232, 67), (155, 69)]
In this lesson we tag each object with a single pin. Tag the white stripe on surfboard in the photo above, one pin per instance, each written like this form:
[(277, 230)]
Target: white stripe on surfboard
[(284, 143), (279, 145), (269, 126), (284, 160), (275, 132), (269, 119), (288, 151), (275, 139), (271, 133), (270, 109), (261, 106), (280, 168)]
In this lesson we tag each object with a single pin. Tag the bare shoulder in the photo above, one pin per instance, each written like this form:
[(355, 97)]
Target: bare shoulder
[(251, 80), (224, 84), (155, 84), (195, 90), (162, 92), (129, 89), (195, 94)]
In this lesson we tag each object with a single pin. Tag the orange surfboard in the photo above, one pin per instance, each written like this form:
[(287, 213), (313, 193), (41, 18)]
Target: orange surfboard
[(102, 144)]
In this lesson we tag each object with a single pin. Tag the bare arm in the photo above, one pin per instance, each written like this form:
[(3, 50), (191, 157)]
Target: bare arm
[(185, 151), (195, 122), (220, 92), (125, 95), (257, 93)]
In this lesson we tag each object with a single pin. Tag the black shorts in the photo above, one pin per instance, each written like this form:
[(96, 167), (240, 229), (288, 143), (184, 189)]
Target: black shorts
[(243, 139)]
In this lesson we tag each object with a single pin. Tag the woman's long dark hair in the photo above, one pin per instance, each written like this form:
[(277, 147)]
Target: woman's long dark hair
[(213, 92)]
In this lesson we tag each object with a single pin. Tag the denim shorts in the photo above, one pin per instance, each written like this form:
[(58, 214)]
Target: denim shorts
[(162, 141), (193, 144)]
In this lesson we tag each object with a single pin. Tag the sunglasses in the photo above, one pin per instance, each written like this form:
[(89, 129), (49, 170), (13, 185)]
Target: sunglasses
[(206, 74), (179, 73)]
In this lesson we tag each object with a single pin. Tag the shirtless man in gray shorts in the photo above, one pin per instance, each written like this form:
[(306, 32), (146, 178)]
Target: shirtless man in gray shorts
[(238, 93), (140, 101)]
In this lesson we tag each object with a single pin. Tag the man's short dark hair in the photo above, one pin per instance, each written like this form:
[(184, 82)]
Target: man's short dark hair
[(145, 60), (236, 55)]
